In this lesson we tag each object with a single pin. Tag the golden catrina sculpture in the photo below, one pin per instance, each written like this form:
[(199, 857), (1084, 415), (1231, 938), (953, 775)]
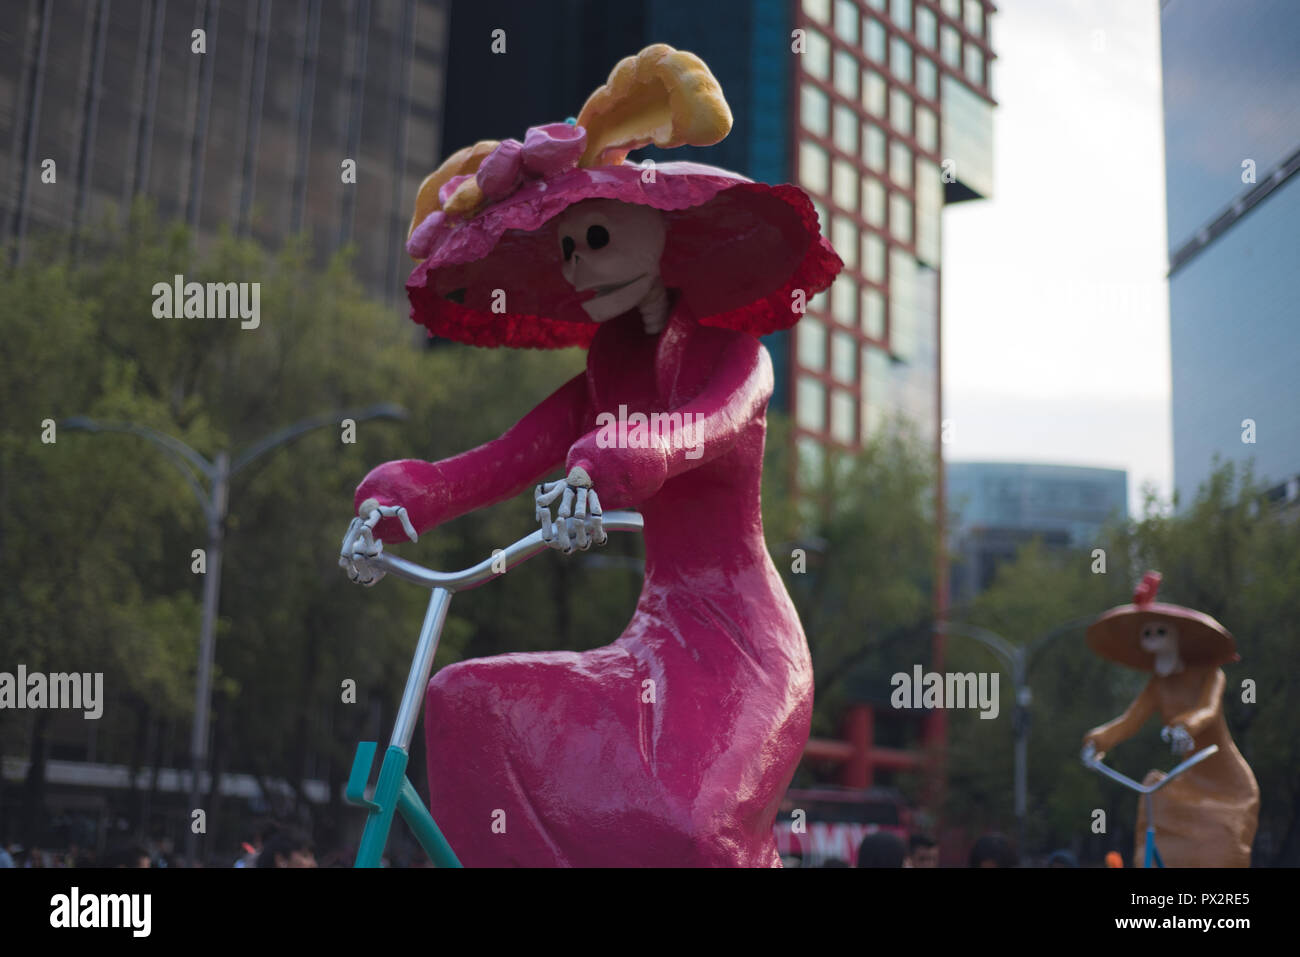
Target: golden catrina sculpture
[(1207, 816)]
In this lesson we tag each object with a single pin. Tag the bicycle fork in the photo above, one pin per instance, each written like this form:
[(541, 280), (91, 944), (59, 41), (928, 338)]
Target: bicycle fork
[(394, 792), (1152, 853)]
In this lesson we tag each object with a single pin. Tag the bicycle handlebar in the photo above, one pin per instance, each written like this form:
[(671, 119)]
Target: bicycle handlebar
[(1096, 764), (496, 565)]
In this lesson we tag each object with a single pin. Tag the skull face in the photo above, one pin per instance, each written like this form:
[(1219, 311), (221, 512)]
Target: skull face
[(1159, 638), (614, 249)]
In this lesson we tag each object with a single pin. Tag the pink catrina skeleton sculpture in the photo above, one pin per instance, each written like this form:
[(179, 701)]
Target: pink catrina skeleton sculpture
[(668, 273)]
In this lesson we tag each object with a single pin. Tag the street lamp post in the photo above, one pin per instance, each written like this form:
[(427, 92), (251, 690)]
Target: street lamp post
[(214, 500), (1016, 658)]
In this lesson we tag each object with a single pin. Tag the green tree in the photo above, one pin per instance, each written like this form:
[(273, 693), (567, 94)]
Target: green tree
[(857, 548), (97, 532)]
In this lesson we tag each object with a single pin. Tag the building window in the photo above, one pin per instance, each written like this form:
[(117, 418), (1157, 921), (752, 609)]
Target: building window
[(874, 92), (872, 307), (873, 255), (876, 369), (844, 237), (900, 217), (811, 335), (900, 164), (900, 111), (975, 17), (811, 403), (812, 460), (927, 78), (974, 64), (846, 21), (873, 201), (927, 30), (844, 293), (846, 129), (820, 209), (901, 13), (900, 59), (813, 173), (846, 75), (844, 358), (952, 8), (819, 10), (814, 110), (844, 351), (844, 184), (817, 58), (927, 129), (873, 147), (818, 305), (842, 418), (951, 46), (902, 304), (929, 209), (873, 41)]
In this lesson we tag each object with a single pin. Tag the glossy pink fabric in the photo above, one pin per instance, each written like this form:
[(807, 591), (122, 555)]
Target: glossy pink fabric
[(587, 771)]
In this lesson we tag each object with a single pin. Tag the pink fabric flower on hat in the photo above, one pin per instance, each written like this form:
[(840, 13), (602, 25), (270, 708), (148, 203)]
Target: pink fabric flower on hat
[(545, 151)]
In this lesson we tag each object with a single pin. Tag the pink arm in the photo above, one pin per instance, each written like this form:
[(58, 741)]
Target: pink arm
[(436, 492), (690, 436)]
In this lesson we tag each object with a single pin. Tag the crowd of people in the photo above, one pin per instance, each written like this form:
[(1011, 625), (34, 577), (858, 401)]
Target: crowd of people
[(272, 845), (886, 849), (277, 845)]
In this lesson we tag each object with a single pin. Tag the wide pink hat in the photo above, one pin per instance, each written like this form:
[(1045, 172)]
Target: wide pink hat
[(743, 255), (1202, 641)]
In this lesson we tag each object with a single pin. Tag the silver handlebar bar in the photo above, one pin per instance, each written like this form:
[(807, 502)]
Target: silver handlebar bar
[(1092, 761), (494, 566)]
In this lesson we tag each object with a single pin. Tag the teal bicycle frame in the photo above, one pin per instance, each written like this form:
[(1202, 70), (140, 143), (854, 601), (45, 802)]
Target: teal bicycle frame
[(394, 793), (1152, 855)]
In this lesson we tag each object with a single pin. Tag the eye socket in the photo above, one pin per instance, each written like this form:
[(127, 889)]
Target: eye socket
[(597, 236), (1160, 632), (567, 245)]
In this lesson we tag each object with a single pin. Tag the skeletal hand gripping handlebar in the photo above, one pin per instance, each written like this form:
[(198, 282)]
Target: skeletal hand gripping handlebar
[(496, 565)]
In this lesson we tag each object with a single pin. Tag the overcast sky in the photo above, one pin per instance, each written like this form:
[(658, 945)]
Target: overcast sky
[(1055, 303)]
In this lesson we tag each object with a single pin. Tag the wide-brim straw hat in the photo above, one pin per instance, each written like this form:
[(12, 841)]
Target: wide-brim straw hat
[(743, 255), (1202, 641)]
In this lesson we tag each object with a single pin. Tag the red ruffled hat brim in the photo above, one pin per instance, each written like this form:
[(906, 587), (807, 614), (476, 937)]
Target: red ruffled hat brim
[(738, 251)]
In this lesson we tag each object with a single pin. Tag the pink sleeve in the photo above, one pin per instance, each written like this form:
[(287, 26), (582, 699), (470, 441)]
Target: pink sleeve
[(436, 492), (688, 437)]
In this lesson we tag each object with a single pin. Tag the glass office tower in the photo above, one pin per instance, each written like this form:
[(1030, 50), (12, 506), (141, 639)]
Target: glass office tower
[(1232, 150), (892, 118), (999, 506)]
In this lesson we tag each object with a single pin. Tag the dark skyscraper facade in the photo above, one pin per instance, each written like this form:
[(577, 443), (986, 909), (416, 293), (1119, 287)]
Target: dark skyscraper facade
[(101, 102)]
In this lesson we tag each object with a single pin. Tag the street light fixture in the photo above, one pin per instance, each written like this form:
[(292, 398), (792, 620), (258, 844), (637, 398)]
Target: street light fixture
[(1016, 658), (214, 501)]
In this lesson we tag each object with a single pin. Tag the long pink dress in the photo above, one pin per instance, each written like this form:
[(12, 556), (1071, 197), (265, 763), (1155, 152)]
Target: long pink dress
[(673, 745)]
